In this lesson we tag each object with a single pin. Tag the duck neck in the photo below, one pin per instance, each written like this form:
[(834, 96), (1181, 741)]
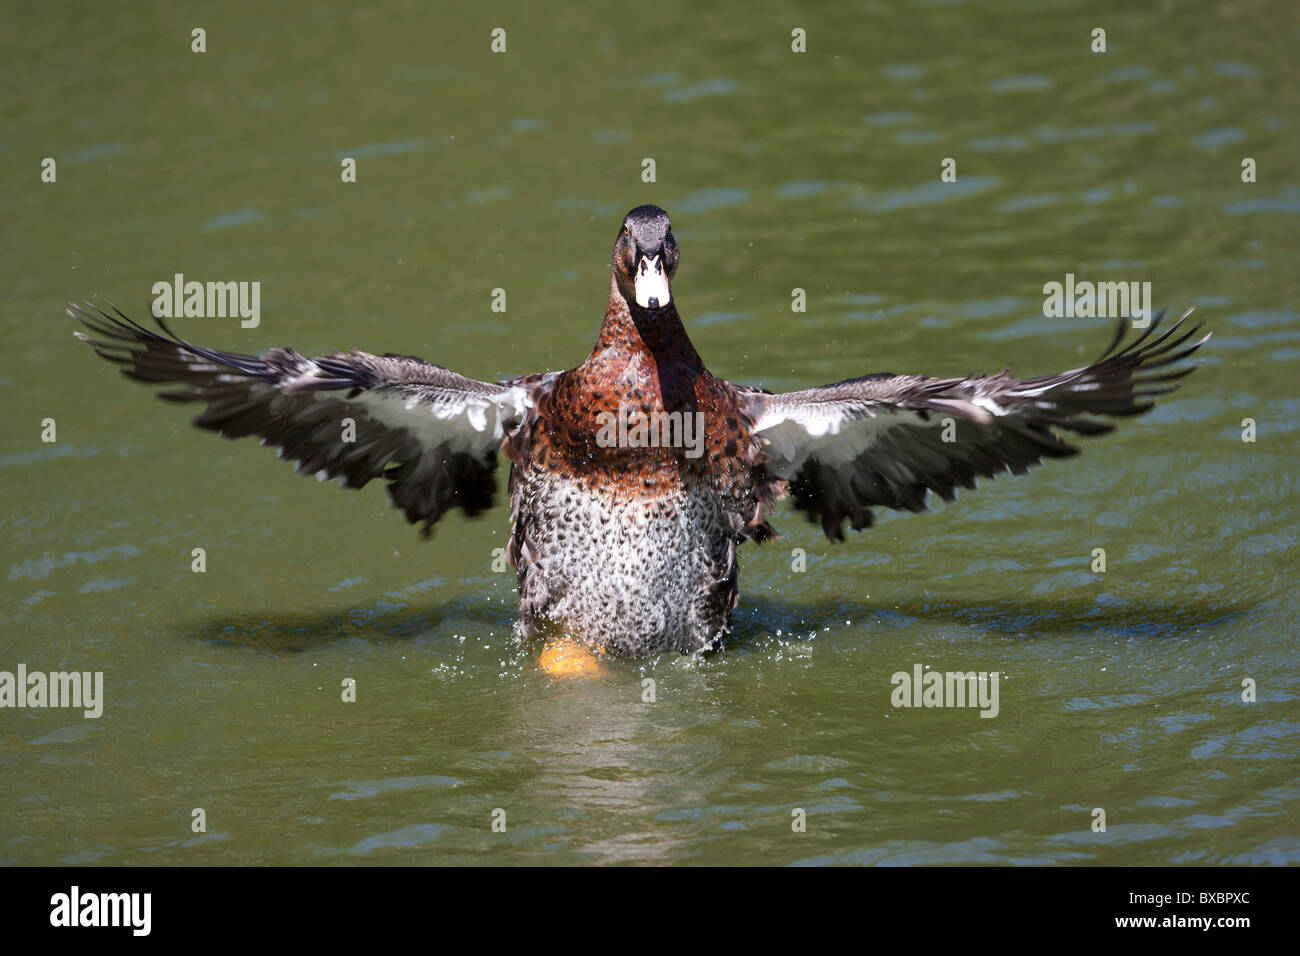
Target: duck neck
[(660, 334)]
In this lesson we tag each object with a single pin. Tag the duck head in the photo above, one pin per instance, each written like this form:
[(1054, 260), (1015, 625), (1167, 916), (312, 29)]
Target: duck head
[(645, 258)]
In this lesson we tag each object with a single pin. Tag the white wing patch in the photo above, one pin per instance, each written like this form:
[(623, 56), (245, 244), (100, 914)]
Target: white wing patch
[(839, 431), (464, 422), (833, 435)]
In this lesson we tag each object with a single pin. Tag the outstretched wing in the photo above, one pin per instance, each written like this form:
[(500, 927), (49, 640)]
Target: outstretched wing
[(431, 434), (892, 439)]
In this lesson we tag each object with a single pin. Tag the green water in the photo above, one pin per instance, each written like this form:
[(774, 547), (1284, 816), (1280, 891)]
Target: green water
[(477, 171)]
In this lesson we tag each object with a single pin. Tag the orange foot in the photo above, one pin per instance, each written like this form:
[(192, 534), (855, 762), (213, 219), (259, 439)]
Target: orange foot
[(565, 657)]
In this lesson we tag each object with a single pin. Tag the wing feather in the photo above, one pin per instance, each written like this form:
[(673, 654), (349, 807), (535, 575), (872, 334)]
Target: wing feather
[(430, 433), (880, 439)]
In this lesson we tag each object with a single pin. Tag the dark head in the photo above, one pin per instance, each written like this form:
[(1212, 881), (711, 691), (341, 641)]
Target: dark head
[(645, 258)]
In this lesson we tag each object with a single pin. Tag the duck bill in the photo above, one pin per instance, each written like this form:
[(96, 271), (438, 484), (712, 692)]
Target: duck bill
[(652, 290)]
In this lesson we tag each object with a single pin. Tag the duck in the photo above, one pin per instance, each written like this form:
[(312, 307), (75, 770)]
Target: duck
[(635, 476)]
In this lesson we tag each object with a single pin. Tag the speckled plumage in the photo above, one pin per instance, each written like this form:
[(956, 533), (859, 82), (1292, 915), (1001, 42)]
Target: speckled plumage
[(634, 549)]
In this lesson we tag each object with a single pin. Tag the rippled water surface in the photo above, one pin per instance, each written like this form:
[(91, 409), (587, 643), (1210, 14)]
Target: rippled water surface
[(476, 171)]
